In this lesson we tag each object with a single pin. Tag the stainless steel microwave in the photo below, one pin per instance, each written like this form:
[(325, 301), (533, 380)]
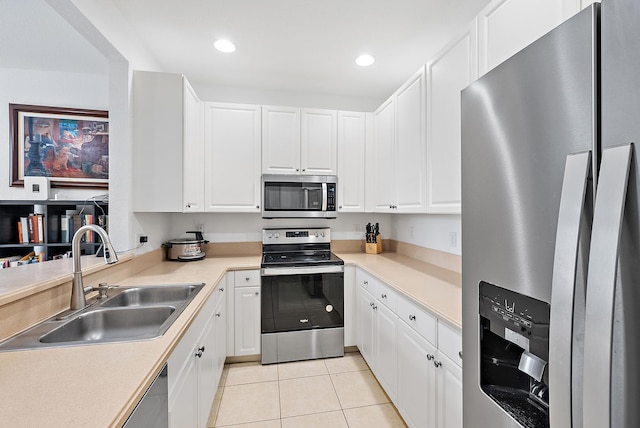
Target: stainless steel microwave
[(299, 196)]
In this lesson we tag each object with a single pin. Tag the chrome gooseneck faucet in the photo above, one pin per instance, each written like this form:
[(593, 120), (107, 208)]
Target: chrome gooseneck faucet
[(78, 300)]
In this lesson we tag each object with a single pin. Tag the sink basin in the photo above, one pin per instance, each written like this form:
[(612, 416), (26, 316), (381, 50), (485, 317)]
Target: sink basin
[(133, 313), (104, 325), (152, 295)]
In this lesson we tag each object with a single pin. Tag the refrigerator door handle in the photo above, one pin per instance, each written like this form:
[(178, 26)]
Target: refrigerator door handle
[(563, 287), (601, 284)]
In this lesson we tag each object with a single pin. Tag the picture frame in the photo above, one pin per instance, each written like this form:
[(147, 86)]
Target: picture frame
[(70, 146)]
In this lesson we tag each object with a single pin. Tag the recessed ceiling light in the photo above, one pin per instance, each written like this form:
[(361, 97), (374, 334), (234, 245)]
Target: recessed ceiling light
[(224, 46), (365, 60)]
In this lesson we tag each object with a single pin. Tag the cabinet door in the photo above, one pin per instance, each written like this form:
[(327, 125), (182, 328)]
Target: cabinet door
[(411, 158), (319, 142), (366, 326), (220, 326), (207, 371), (449, 381), (183, 401), (232, 155), (158, 132), (416, 379), (451, 71), (351, 161), (247, 321), (507, 26), (380, 172), (386, 345), (280, 140), (192, 151)]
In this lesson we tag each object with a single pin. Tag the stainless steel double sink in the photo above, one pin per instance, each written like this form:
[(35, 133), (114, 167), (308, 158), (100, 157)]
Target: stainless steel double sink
[(132, 314)]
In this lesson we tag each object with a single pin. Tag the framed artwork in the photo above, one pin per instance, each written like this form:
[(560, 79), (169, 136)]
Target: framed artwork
[(69, 146)]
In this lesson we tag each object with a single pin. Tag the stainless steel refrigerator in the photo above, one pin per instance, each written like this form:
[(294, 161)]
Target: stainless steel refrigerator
[(550, 229)]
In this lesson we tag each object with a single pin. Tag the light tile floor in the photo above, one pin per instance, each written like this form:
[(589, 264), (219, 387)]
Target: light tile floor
[(332, 393)]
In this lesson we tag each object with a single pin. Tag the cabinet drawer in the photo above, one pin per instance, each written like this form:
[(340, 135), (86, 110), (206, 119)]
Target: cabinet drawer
[(366, 281), (419, 319), (387, 296), (450, 342), (246, 278)]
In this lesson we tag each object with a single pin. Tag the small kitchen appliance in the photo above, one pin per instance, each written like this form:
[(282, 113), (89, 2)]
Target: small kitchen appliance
[(302, 298), (186, 249)]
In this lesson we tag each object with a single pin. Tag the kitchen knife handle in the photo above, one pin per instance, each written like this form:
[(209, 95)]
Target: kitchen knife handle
[(564, 287), (601, 286)]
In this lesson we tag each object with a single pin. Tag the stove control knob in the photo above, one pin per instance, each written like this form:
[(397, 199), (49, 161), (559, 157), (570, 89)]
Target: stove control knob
[(277, 235), (316, 234), (269, 236), (323, 234)]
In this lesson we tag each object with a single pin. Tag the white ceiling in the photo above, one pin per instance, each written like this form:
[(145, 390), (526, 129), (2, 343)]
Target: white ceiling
[(283, 45)]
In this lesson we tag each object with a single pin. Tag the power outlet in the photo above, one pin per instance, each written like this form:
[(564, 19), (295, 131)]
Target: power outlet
[(453, 239), (143, 239)]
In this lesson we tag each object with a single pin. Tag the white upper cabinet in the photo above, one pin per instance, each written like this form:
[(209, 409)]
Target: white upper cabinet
[(167, 144), (319, 142), (507, 26), (280, 140), (452, 70), (380, 176), (299, 141), (232, 157), (352, 129), (396, 181), (411, 145)]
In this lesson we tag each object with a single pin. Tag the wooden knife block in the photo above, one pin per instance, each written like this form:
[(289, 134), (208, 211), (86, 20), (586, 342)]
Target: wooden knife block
[(374, 248)]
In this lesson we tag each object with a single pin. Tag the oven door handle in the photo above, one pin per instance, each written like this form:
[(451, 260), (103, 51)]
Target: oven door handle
[(309, 270)]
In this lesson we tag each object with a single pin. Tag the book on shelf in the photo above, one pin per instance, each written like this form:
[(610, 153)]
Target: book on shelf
[(35, 228), (24, 230)]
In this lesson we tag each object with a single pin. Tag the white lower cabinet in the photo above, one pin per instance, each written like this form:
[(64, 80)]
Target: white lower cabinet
[(416, 378), (247, 313), (449, 393), (415, 356), (195, 365)]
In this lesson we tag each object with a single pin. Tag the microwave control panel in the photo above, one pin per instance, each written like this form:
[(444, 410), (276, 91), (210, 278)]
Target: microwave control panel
[(331, 196)]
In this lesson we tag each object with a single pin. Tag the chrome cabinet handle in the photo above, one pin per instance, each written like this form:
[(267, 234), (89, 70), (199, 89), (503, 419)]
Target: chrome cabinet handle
[(200, 352), (460, 354), (221, 289), (375, 307), (366, 282), (371, 304), (384, 296), (412, 317), (257, 207), (257, 293), (218, 315), (430, 357), (437, 363), (246, 278)]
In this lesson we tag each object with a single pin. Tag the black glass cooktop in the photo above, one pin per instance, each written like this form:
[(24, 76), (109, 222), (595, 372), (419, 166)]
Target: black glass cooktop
[(300, 258)]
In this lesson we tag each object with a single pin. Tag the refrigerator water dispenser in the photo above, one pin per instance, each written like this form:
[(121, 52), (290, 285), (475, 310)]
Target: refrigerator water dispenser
[(514, 350)]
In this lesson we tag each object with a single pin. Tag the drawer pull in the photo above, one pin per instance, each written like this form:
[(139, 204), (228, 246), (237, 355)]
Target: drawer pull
[(460, 354), (430, 357), (371, 304), (218, 315), (412, 317), (200, 352), (384, 296), (437, 364), (221, 289), (246, 278), (375, 307), (366, 282)]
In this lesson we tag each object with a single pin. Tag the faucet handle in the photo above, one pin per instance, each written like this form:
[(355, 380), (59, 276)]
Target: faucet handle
[(103, 288)]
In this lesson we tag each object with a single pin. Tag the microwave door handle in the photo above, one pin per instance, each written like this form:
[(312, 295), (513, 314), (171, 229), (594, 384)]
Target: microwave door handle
[(324, 197), (565, 281), (601, 285)]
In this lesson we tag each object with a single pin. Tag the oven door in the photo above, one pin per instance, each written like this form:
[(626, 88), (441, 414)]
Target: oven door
[(302, 314), (302, 298)]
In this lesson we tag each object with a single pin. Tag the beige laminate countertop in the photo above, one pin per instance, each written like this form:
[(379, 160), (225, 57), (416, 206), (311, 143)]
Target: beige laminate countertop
[(99, 385)]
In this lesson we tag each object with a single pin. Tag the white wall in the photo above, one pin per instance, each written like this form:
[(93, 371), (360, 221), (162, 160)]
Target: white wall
[(48, 89), (248, 227), (431, 231)]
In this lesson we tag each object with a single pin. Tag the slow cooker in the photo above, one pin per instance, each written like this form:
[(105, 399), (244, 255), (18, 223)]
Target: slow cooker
[(186, 249)]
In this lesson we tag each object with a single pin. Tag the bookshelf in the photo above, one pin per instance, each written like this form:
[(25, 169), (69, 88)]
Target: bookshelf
[(54, 243)]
